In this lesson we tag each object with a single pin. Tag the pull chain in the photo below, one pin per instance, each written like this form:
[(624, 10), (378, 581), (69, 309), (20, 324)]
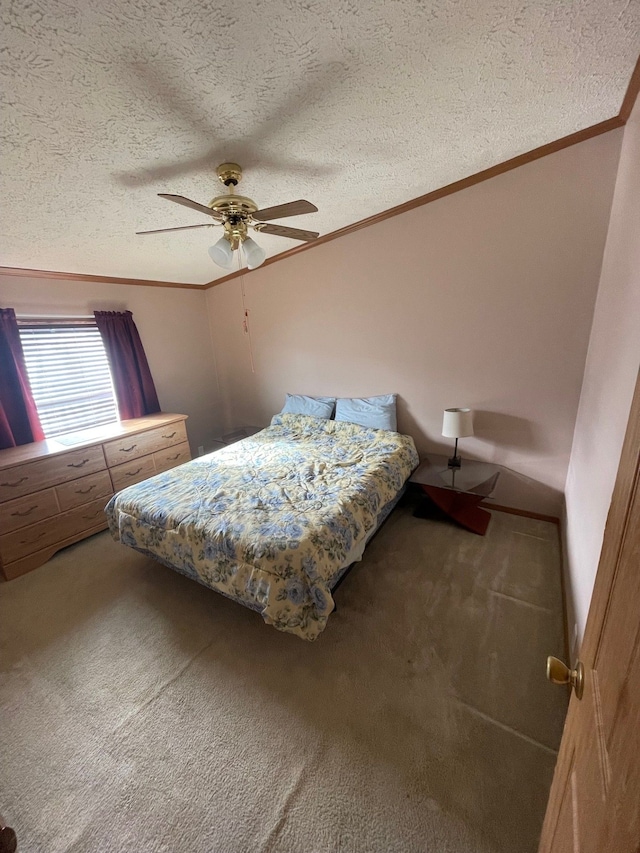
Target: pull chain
[(245, 320)]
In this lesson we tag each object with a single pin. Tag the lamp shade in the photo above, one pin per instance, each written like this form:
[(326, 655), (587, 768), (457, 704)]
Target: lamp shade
[(221, 253), (255, 254), (457, 423)]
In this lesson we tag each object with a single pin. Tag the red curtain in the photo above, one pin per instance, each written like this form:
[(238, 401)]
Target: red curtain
[(19, 421), (132, 380)]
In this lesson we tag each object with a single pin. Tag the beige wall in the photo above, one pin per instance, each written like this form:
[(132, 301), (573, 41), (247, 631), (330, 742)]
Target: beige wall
[(174, 328), (610, 375), (483, 299)]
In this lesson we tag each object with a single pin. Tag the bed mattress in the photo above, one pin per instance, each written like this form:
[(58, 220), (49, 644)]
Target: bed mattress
[(271, 521)]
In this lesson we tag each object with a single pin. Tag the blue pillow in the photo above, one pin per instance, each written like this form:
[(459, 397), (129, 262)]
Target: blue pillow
[(300, 404), (376, 412)]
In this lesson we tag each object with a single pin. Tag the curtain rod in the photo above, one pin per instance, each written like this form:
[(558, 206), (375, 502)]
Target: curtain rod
[(55, 317)]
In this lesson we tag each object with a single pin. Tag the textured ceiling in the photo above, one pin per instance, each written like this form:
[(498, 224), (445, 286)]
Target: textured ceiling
[(356, 106)]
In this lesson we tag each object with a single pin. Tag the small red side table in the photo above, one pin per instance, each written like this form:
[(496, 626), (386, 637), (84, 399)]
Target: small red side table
[(457, 491)]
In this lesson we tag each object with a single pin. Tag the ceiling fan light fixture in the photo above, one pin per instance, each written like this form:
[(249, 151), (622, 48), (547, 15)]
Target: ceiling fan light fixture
[(237, 213), (255, 254), (221, 253)]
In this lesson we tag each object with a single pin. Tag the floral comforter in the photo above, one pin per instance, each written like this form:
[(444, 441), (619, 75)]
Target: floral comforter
[(270, 521)]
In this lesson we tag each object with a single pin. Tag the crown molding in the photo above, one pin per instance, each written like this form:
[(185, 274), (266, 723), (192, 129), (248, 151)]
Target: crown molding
[(620, 120), (449, 189), (102, 279), (628, 102)]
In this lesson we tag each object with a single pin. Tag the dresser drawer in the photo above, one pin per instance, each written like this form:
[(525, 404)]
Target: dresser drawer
[(21, 512), (83, 490), (132, 447), (21, 543), (35, 476), (132, 472), (172, 456)]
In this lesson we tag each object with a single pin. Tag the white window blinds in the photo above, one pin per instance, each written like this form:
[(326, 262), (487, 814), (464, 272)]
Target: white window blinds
[(69, 375)]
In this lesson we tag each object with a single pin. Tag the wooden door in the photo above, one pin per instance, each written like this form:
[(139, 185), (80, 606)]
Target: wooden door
[(594, 804)]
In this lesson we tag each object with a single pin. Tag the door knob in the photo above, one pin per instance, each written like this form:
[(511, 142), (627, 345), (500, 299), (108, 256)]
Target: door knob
[(8, 840), (559, 673)]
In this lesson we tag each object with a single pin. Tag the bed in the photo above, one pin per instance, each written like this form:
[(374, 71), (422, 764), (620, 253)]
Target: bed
[(272, 521)]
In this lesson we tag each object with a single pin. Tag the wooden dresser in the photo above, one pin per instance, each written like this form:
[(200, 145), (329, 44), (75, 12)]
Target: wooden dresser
[(53, 493)]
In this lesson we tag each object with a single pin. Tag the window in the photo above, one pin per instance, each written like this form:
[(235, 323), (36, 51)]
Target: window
[(69, 375)]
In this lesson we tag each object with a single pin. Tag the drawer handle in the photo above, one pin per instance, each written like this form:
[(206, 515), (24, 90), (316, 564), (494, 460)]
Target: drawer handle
[(171, 458), (128, 449), (169, 436), (26, 512), (17, 482), (93, 515), (84, 491), (78, 465), (33, 538), (133, 473)]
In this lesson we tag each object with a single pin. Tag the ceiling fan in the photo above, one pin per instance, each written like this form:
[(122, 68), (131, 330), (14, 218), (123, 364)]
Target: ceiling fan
[(236, 214)]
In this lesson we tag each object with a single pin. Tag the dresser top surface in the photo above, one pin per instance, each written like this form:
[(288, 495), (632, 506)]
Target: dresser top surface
[(85, 438)]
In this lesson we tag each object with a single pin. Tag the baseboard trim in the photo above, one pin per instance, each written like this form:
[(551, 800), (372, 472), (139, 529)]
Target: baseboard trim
[(565, 600), (524, 512)]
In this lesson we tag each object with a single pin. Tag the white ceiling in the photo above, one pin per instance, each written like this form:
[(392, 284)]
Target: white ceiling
[(356, 106)]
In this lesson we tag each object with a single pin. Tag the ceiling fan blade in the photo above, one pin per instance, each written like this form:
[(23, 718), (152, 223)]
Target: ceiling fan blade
[(284, 231), (180, 199), (155, 83), (180, 228), (292, 208)]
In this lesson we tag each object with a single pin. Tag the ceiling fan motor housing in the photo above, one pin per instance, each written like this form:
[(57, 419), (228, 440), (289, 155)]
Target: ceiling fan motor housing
[(233, 205), (236, 209), (235, 213), (229, 174)]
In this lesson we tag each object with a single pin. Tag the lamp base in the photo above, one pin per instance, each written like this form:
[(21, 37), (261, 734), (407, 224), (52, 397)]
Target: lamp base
[(454, 462)]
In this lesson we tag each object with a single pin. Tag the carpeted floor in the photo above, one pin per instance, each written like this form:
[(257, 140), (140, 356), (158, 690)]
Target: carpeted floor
[(142, 712)]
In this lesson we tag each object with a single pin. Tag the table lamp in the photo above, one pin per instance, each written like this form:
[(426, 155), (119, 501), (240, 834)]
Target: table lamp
[(457, 423)]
